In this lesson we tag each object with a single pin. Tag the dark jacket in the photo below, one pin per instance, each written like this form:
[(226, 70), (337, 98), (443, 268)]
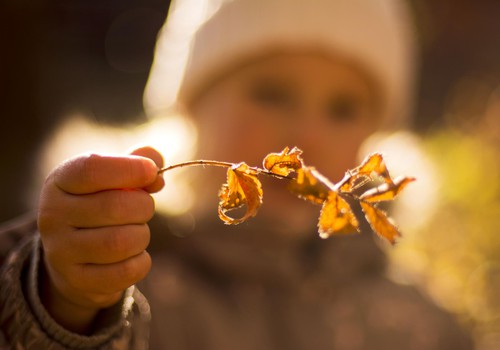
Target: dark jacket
[(217, 287)]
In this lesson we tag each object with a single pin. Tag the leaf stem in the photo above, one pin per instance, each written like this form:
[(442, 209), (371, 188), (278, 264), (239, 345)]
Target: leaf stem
[(204, 162), (194, 163)]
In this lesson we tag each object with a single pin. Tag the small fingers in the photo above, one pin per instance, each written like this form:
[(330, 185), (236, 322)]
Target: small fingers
[(149, 152), (156, 157), (109, 208), (111, 278), (104, 245), (93, 173), (100, 285)]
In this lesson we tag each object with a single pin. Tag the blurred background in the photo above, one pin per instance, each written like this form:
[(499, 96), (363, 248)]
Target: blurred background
[(72, 75)]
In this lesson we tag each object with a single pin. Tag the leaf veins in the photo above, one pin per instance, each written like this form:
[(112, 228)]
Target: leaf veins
[(242, 188), (373, 164), (336, 217), (380, 222), (283, 163), (386, 191), (310, 185)]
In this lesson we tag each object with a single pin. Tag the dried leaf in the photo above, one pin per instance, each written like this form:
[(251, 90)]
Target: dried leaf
[(374, 163), (336, 217), (285, 162), (380, 222), (310, 185), (242, 188), (352, 181), (386, 191)]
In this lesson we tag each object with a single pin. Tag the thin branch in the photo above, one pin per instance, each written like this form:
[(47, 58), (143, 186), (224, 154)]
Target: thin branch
[(194, 163), (204, 162)]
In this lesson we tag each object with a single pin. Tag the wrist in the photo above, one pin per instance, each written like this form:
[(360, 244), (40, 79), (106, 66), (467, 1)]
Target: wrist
[(73, 309), (26, 321), (70, 315)]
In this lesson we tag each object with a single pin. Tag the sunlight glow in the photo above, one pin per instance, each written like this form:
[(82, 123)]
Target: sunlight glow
[(173, 136), (404, 155), (171, 52)]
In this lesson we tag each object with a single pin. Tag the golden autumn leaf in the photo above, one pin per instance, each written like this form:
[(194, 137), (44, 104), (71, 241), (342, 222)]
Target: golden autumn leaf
[(310, 185), (373, 163), (386, 191), (380, 222), (242, 188), (336, 217), (283, 163)]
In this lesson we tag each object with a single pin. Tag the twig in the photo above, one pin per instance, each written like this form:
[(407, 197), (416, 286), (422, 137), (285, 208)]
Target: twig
[(204, 162)]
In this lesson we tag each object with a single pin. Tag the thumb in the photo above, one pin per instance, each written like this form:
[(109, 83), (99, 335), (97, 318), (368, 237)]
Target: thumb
[(155, 156)]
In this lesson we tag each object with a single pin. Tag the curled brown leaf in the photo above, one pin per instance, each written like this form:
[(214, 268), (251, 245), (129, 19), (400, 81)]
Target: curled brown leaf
[(372, 164), (242, 188), (283, 163)]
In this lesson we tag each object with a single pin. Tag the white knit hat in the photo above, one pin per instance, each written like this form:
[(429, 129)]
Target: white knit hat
[(202, 39)]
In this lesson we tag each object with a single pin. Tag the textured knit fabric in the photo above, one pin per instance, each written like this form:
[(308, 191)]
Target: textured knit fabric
[(25, 324), (215, 287)]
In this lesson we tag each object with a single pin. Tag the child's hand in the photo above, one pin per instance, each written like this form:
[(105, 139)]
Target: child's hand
[(93, 224)]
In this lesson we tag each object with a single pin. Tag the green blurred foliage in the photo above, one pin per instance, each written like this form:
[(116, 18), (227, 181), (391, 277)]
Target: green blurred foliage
[(455, 256)]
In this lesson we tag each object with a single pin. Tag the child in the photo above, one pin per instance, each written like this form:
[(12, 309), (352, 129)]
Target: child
[(322, 75)]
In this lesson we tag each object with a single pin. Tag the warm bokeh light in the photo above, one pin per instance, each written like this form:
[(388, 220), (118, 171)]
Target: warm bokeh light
[(403, 152), (173, 136), (451, 215), (172, 47)]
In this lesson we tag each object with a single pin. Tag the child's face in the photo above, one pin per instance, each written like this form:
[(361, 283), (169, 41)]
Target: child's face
[(322, 106)]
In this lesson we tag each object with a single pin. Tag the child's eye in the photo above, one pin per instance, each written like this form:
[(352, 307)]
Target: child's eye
[(272, 96), (344, 109)]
